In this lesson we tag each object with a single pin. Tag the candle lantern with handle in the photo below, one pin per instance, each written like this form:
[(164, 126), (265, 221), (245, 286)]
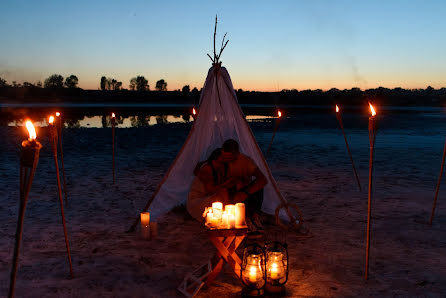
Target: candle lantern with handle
[(253, 269), (276, 267)]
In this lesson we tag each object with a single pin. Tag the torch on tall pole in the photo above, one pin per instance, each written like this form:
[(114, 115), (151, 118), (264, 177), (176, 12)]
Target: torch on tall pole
[(372, 136), (113, 123), (339, 117), (53, 141), (29, 158), (59, 132), (279, 117), (438, 185)]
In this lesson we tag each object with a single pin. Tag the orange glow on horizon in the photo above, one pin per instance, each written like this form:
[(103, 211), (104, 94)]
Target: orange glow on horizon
[(51, 120), (337, 109), (31, 130), (372, 109)]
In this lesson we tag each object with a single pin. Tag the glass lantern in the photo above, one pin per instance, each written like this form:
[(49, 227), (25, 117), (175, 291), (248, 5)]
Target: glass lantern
[(253, 273), (276, 267)]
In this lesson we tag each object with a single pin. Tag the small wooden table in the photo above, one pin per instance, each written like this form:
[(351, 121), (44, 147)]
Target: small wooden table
[(226, 241)]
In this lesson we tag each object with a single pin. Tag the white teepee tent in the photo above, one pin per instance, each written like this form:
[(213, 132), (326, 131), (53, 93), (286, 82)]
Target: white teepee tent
[(219, 118)]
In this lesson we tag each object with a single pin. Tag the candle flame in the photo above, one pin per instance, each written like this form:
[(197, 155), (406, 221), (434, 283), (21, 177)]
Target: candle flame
[(194, 111), (279, 114), (31, 130), (57, 114), (51, 120), (337, 109), (113, 115), (372, 110)]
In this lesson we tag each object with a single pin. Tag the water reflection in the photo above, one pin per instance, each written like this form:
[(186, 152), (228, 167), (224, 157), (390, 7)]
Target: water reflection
[(103, 121)]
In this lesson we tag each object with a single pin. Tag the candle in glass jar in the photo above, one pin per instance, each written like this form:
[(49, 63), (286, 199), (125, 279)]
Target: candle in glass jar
[(240, 215)]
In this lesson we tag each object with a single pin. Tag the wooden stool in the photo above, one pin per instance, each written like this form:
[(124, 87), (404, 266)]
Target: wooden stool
[(226, 241)]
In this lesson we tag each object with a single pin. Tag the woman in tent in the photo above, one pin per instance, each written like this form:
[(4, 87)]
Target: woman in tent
[(208, 185)]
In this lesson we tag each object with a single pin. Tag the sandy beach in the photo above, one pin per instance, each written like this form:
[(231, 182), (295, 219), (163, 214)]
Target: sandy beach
[(311, 166)]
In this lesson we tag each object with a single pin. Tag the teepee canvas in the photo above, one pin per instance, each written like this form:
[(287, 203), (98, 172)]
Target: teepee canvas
[(219, 118)]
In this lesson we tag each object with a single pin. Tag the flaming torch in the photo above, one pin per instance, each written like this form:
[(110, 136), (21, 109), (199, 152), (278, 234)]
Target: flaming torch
[(113, 123), (28, 163), (339, 117), (53, 141), (59, 132), (279, 117), (372, 137), (438, 185)]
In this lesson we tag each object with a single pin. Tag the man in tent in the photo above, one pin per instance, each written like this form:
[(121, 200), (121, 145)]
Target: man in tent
[(242, 169)]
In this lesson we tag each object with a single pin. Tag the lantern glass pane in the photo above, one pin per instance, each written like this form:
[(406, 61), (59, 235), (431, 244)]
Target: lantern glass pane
[(276, 267)]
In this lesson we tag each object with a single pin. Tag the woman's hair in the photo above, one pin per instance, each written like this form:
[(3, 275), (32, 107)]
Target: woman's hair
[(213, 156)]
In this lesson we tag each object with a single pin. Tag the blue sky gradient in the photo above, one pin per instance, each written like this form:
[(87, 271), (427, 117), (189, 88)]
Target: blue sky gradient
[(273, 44)]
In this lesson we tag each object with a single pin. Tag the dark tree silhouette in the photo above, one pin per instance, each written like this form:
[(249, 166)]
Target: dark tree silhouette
[(161, 85), (54, 81), (3, 83), (39, 84), (28, 85), (103, 82), (71, 82), (139, 83), (186, 89)]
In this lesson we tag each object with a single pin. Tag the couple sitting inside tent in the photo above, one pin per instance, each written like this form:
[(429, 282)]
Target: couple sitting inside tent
[(227, 177)]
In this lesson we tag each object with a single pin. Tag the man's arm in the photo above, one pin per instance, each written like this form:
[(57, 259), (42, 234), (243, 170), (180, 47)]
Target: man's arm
[(259, 183)]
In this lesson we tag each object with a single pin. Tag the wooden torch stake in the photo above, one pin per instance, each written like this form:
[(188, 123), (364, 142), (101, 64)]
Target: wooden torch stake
[(27, 171), (61, 158), (113, 147), (438, 185), (274, 134), (372, 137), (53, 140), (338, 116)]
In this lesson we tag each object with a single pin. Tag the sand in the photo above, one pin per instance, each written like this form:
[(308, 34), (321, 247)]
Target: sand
[(311, 166)]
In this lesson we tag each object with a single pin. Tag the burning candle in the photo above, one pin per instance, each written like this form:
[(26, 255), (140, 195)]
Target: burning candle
[(231, 221), (217, 208), (252, 274), (209, 217), (274, 271), (240, 215), (230, 209), (145, 225), (224, 220)]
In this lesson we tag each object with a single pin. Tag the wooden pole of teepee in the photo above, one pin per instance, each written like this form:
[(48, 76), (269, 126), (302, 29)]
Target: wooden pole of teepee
[(113, 123), (59, 132), (276, 126), (338, 116), (372, 137), (53, 141), (28, 163), (438, 185)]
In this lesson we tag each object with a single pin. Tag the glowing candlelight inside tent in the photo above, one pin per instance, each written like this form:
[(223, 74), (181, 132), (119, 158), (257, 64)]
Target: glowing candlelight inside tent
[(145, 225)]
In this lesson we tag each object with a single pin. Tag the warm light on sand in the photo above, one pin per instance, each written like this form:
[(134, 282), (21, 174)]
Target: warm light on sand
[(31, 130), (51, 120), (372, 110), (337, 109), (279, 113)]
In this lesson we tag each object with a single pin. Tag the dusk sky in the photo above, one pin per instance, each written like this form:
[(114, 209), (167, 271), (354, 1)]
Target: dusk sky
[(273, 45)]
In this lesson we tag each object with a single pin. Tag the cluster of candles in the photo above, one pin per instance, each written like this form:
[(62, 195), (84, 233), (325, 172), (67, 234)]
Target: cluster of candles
[(231, 217)]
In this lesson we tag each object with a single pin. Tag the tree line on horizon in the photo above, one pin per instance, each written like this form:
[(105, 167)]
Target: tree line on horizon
[(56, 81)]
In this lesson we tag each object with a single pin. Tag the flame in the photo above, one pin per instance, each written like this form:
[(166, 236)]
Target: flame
[(337, 109), (372, 110), (57, 114), (194, 112), (51, 120), (31, 130), (113, 115), (279, 113)]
